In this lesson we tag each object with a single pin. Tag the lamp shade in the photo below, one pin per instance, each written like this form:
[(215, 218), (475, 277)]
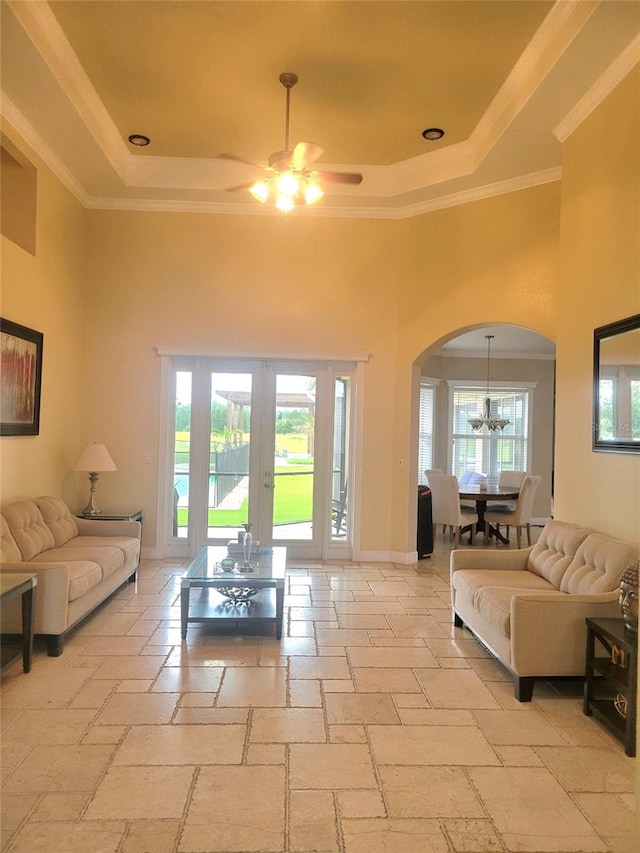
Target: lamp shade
[(95, 457)]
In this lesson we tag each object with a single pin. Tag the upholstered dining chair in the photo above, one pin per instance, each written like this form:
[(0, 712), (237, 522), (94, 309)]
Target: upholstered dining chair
[(520, 516), (429, 471), (446, 509), (508, 480)]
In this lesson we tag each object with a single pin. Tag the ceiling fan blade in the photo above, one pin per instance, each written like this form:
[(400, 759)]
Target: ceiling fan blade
[(340, 177), (305, 153), (240, 187), (239, 160)]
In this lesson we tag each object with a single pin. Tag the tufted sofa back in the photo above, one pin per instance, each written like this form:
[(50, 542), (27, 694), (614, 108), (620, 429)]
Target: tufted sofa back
[(58, 518), (555, 550), (28, 529), (9, 551), (598, 565)]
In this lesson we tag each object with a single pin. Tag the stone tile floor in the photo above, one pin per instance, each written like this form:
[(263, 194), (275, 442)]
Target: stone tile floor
[(373, 726)]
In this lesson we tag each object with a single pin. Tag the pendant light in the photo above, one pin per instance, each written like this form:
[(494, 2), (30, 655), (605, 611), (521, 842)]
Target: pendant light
[(486, 419)]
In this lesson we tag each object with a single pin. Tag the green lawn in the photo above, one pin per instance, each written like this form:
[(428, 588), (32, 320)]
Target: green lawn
[(293, 498)]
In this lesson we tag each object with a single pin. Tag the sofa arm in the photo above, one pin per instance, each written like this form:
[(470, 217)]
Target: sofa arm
[(548, 630), (96, 527), (471, 558), (52, 597)]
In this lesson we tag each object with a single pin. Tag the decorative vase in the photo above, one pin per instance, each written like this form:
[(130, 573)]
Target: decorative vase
[(246, 549), (629, 597)]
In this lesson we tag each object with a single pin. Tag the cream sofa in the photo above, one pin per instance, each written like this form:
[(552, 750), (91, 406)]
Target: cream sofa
[(79, 562), (528, 606)]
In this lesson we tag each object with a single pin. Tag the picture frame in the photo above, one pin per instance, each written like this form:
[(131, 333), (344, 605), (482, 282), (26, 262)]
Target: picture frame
[(21, 379)]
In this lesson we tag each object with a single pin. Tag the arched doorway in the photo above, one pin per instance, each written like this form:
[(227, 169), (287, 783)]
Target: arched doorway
[(453, 382)]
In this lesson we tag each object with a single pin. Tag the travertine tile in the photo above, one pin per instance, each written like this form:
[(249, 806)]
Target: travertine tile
[(312, 822), (361, 804), (129, 667), (342, 637), (36, 727), (236, 808), (596, 769), (330, 766), (429, 792), (446, 688), (392, 657), (360, 708), (442, 744), (386, 679), (472, 835), (136, 709), (61, 768), (531, 811), (305, 693), (347, 734), (266, 753), (129, 793), (174, 745), (188, 679), (253, 687), (59, 837), (53, 690), (317, 667), (151, 836), (525, 728), (287, 725), (65, 807), (394, 836)]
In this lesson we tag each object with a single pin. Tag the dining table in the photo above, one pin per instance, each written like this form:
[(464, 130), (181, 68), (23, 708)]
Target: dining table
[(481, 493)]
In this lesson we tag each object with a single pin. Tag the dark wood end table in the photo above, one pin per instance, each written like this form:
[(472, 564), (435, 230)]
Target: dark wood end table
[(13, 584)]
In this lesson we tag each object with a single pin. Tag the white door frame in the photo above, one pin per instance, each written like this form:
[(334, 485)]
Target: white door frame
[(333, 364)]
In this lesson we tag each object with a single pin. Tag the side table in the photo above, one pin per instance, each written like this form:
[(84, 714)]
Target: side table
[(136, 515), (13, 584), (610, 678)]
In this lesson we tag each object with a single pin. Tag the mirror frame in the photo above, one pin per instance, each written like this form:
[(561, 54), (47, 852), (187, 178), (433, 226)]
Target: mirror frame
[(615, 445)]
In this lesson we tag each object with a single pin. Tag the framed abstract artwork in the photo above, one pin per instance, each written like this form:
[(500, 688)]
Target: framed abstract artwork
[(20, 379)]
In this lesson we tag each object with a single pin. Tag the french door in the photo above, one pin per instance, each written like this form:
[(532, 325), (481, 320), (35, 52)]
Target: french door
[(265, 443)]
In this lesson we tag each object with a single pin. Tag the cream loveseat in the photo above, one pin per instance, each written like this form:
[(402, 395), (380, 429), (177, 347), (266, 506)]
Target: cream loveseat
[(79, 562), (528, 606)]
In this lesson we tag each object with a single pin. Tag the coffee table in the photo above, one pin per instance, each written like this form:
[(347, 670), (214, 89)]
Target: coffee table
[(267, 577)]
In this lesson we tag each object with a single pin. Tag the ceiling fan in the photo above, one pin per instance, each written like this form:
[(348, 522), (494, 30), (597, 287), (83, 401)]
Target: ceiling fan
[(288, 178)]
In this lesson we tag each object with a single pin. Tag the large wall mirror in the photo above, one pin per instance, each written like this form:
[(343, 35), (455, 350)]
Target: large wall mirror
[(616, 386)]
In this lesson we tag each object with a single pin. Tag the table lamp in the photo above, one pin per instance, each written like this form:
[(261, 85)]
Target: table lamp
[(94, 459)]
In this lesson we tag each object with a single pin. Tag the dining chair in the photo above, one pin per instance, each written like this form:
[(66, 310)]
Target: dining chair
[(520, 516), (446, 509), (429, 471), (508, 480), (471, 478)]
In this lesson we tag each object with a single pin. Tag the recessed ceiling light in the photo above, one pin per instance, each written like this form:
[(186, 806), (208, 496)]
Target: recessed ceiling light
[(433, 133), (139, 139)]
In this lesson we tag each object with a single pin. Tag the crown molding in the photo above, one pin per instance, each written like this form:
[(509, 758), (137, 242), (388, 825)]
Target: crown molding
[(262, 354), (614, 75)]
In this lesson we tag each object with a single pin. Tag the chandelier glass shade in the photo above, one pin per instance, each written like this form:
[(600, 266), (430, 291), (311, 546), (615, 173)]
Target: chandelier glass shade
[(486, 419)]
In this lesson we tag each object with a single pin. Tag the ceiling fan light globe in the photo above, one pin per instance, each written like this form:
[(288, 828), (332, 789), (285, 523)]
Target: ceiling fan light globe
[(312, 193), (260, 191), (288, 184), (285, 203)]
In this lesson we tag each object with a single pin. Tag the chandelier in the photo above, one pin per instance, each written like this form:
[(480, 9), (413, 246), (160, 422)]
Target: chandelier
[(487, 419)]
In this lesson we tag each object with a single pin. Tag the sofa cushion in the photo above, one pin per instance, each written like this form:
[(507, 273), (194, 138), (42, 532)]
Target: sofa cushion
[(58, 519), (28, 529), (554, 551), (108, 559), (598, 565), (83, 576), (490, 592), (129, 546), (9, 551)]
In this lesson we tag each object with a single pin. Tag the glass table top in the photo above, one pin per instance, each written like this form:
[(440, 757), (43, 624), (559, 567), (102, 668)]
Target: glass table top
[(266, 564)]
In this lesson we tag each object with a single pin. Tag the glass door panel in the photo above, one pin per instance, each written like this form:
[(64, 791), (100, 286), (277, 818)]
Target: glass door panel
[(182, 453), (294, 457), (229, 454), (340, 458)]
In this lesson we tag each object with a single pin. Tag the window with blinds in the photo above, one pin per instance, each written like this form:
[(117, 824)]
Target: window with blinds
[(488, 452), (425, 434)]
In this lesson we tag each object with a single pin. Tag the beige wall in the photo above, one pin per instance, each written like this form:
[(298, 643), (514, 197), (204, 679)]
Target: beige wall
[(600, 282), (46, 292), (106, 287)]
